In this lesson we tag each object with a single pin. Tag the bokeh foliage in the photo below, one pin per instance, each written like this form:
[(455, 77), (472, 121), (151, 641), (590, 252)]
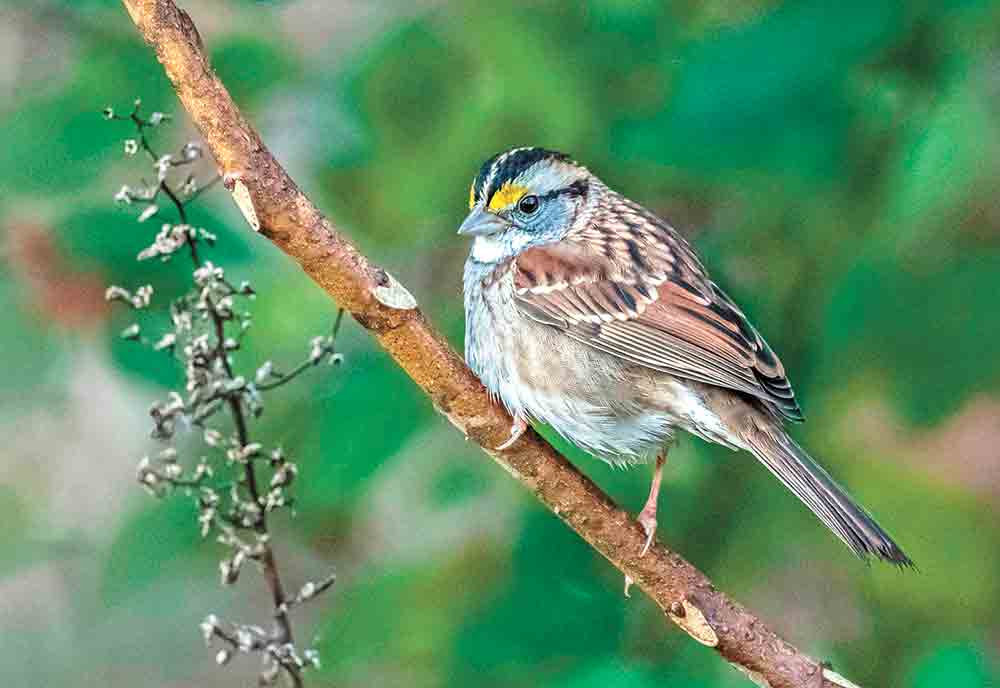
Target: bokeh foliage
[(836, 164)]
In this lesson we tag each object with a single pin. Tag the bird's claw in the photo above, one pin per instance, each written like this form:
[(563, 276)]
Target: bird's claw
[(516, 430), (648, 523), (647, 520)]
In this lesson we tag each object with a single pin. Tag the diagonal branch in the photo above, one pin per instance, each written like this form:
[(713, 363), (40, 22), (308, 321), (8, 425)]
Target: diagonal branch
[(272, 203)]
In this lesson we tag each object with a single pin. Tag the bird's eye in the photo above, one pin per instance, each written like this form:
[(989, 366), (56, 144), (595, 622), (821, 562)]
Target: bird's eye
[(528, 204)]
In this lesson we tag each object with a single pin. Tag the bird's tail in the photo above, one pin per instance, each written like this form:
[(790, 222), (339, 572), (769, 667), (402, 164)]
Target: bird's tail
[(824, 497)]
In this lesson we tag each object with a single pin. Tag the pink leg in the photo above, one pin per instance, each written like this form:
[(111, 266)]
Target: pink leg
[(516, 430), (647, 517)]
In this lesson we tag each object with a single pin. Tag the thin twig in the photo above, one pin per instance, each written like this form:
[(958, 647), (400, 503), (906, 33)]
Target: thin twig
[(279, 644), (268, 563)]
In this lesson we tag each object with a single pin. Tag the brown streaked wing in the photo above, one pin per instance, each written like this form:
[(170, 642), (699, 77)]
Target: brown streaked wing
[(633, 288)]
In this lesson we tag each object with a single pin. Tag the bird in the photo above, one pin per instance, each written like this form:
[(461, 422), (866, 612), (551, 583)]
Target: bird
[(589, 313)]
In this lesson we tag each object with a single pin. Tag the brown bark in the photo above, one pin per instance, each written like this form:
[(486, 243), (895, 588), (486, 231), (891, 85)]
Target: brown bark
[(272, 201)]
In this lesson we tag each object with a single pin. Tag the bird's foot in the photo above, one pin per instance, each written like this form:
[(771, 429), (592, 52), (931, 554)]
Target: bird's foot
[(516, 430), (647, 519)]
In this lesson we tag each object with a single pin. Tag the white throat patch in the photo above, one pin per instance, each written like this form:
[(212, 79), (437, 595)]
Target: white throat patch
[(487, 249)]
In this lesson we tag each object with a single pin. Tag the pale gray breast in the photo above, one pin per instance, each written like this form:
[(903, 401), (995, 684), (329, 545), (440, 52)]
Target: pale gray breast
[(593, 400)]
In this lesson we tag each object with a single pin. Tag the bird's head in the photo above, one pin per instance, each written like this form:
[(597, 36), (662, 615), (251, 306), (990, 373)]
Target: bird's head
[(522, 198)]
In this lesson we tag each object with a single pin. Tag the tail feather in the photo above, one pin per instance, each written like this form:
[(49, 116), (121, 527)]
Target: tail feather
[(829, 501)]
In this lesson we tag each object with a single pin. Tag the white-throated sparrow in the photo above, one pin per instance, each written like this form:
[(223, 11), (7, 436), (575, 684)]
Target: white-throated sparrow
[(588, 312)]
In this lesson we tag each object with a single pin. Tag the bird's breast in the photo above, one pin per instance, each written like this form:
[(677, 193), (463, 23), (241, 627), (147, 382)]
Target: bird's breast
[(592, 399)]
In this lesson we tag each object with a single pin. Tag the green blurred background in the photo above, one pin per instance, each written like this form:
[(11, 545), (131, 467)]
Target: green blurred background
[(836, 163)]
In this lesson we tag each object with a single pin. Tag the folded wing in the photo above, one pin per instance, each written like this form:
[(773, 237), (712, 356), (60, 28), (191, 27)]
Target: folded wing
[(628, 285)]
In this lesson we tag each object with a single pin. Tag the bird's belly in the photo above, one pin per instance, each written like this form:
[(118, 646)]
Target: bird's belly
[(619, 412), (589, 399), (617, 436)]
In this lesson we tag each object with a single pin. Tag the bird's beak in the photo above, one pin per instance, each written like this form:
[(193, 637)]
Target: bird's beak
[(481, 223)]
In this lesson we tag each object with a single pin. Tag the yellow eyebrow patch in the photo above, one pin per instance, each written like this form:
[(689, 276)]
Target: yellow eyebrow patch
[(507, 195)]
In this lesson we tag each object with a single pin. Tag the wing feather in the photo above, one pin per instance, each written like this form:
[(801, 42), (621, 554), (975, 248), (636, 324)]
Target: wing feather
[(629, 285)]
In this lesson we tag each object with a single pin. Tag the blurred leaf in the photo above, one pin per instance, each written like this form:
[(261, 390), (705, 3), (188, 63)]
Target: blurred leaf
[(767, 95), (426, 607), (455, 484), (953, 665), (14, 551), (250, 67), (932, 331), (54, 143), (154, 542), (575, 613), (417, 167), (108, 239), (138, 358), (609, 672), (31, 352), (937, 527), (347, 445), (946, 157)]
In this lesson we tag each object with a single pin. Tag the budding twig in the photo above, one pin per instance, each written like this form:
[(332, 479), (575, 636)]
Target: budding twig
[(235, 498)]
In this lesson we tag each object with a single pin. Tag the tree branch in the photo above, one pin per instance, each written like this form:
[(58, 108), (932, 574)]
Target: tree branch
[(272, 202)]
